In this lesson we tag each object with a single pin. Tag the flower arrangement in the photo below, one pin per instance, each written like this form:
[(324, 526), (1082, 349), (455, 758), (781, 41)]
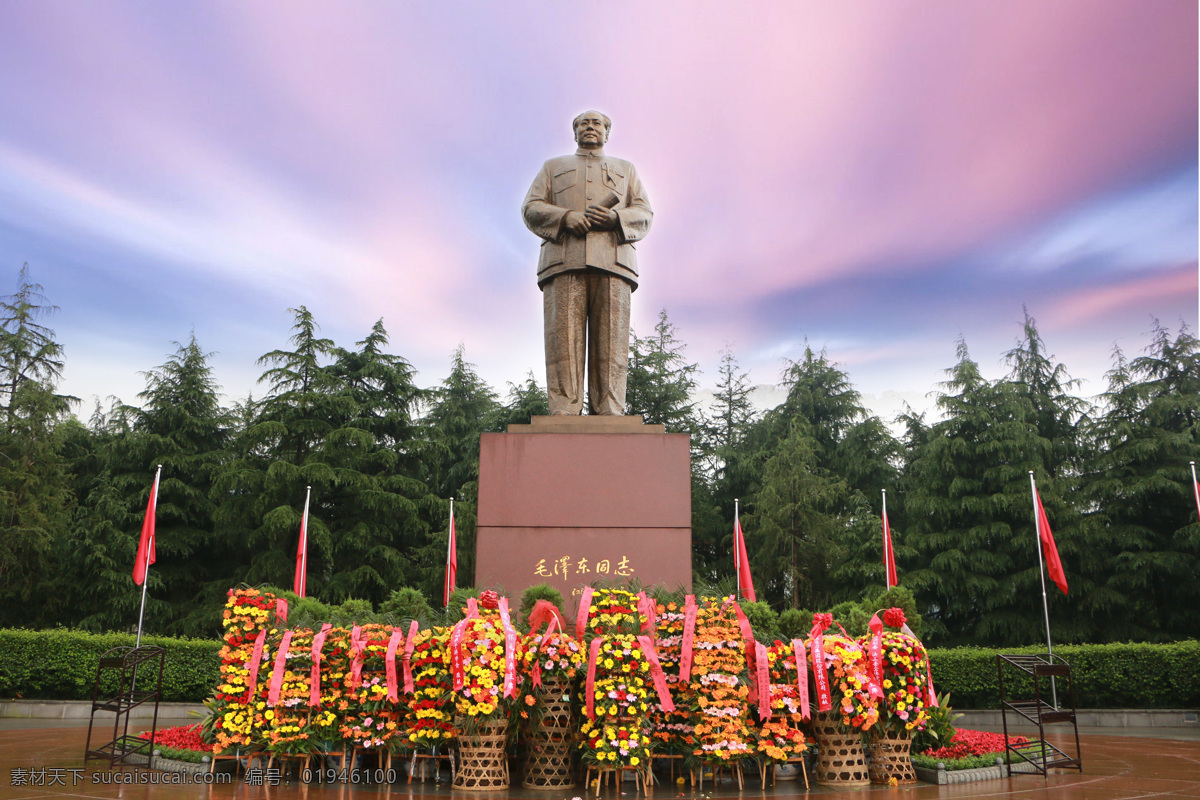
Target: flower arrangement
[(674, 731), (621, 672), (612, 611), (720, 697), (247, 612), (612, 743), (481, 695), (288, 728), (779, 739), (325, 720), (905, 665), (849, 683), (426, 720), (557, 654), (371, 719)]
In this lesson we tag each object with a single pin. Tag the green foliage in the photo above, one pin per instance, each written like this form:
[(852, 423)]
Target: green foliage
[(1105, 675), (896, 597), (661, 379), (795, 623), (61, 664), (954, 764), (180, 754), (763, 620), (529, 598), (852, 616), (406, 603), (354, 609), (940, 728)]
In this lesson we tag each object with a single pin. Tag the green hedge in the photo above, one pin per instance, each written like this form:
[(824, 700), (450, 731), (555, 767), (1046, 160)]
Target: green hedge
[(61, 664), (1104, 675)]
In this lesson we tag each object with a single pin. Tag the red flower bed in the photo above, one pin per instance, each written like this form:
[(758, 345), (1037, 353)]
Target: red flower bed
[(182, 737), (973, 743)]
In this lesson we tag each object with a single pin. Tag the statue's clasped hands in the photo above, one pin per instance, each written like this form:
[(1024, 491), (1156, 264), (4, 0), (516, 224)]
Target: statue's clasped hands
[(595, 218)]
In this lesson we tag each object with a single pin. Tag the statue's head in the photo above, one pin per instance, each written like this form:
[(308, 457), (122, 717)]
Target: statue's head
[(591, 129)]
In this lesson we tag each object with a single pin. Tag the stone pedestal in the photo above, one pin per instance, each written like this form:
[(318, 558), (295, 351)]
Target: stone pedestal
[(569, 500)]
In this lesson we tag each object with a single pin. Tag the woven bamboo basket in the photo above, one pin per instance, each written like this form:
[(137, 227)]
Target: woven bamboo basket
[(890, 758), (841, 760), (483, 762), (548, 765)]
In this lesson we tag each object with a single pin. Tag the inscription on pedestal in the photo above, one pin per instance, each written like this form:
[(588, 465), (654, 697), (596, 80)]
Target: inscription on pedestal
[(607, 501)]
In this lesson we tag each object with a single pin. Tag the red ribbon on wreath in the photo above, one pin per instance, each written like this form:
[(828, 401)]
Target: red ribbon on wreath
[(656, 673), (255, 657), (764, 681), (585, 603), (389, 662), (280, 667), (510, 650), (801, 677), (544, 613), (358, 645), (875, 651), (314, 675), (410, 645), (647, 610), (590, 685), (281, 609), (820, 674), (689, 635), (456, 640)]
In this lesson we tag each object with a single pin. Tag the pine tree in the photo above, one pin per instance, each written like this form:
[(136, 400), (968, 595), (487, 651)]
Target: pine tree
[(661, 380), (1143, 525), (972, 521), (35, 499)]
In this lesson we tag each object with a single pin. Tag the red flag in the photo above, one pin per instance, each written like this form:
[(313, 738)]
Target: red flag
[(889, 558), (742, 562), (300, 582), (1054, 567), (146, 550), (451, 562)]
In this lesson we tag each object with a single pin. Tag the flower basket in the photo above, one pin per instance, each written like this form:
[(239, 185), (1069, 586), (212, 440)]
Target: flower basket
[(548, 765), (841, 760), (483, 762), (890, 758)]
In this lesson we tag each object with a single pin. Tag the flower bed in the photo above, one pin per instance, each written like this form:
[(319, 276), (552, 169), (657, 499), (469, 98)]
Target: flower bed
[(967, 743), (181, 743)]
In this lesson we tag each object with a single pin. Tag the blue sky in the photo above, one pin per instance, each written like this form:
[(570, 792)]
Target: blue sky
[(876, 178)]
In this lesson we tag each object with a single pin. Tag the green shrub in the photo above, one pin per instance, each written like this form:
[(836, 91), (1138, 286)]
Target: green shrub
[(763, 620), (1129, 675), (852, 617), (795, 623), (955, 764), (896, 597), (61, 664), (406, 603)]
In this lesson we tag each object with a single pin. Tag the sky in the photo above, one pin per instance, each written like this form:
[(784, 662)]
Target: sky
[(875, 178)]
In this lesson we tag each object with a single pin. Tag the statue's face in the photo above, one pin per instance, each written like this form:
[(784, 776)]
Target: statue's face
[(590, 130)]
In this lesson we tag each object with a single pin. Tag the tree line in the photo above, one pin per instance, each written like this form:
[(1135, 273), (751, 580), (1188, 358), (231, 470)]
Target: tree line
[(383, 455)]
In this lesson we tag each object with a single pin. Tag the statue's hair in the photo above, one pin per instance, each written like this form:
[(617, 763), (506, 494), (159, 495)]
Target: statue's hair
[(603, 116)]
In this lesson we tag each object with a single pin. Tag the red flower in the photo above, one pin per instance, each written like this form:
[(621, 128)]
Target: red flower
[(894, 617), (489, 599), (822, 621)]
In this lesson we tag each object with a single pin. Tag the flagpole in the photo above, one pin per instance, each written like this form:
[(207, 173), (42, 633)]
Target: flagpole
[(149, 549), (1037, 533), (887, 539), (1195, 487), (737, 550), (304, 552)]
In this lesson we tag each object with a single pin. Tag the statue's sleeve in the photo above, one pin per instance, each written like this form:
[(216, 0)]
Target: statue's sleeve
[(634, 215), (541, 215)]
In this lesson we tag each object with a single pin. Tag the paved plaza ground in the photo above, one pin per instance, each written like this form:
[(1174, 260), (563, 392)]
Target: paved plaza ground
[(1119, 764)]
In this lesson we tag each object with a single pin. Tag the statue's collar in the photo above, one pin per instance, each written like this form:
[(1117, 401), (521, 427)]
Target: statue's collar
[(582, 151)]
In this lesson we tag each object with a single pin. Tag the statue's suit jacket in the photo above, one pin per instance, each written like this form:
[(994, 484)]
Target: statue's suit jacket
[(572, 183)]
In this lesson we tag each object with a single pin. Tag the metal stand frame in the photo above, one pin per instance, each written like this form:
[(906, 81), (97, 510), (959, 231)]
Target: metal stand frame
[(126, 662), (1038, 752)]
